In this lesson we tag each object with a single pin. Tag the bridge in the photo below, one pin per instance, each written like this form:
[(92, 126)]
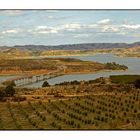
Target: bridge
[(26, 80)]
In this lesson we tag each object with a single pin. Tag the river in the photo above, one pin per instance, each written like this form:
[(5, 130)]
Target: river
[(6, 77), (132, 63)]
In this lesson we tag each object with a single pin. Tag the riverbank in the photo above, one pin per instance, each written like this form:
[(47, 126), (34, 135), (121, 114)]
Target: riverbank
[(65, 66)]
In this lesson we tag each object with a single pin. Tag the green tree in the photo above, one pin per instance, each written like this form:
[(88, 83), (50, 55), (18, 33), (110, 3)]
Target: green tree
[(9, 91), (1, 95), (45, 84), (137, 83), (13, 83)]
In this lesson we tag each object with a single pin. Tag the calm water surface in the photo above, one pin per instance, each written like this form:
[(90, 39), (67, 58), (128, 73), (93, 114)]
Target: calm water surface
[(6, 77), (132, 63)]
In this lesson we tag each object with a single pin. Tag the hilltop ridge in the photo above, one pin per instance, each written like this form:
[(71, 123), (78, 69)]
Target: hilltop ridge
[(26, 51)]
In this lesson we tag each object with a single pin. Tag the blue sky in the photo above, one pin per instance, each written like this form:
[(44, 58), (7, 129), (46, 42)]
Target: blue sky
[(54, 27)]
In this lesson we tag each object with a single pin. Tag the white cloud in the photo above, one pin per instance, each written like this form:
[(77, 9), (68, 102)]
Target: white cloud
[(48, 32), (85, 30), (41, 27), (104, 21), (43, 30), (70, 27), (73, 27), (11, 31), (134, 26), (57, 29)]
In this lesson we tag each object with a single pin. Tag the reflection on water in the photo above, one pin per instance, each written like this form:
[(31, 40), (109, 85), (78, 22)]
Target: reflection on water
[(6, 77), (132, 63)]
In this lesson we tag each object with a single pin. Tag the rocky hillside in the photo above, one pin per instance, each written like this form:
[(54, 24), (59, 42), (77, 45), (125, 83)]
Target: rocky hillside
[(121, 49), (129, 52), (14, 53)]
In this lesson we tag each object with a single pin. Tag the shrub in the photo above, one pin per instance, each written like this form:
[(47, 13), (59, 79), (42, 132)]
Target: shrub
[(1, 95), (102, 119), (45, 84), (137, 83), (98, 118), (132, 106), (44, 118), (19, 99), (63, 111), (106, 114), (93, 110), (59, 127), (127, 121), (127, 110), (9, 91), (85, 113), (72, 122), (34, 124), (113, 117), (124, 113), (96, 124), (135, 110), (78, 125)]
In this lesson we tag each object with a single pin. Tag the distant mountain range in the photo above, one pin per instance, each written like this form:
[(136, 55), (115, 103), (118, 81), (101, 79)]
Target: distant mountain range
[(84, 46), (37, 50)]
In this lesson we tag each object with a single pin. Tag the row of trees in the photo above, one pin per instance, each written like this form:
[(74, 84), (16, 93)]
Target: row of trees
[(101, 80)]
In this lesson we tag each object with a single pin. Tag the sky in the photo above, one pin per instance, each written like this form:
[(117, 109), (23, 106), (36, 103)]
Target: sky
[(55, 27)]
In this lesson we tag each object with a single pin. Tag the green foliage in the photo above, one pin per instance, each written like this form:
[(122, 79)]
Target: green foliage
[(70, 59), (114, 66), (137, 83), (75, 82), (1, 95), (9, 91), (125, 79), (112, 112), (45, 84), (12, 83)]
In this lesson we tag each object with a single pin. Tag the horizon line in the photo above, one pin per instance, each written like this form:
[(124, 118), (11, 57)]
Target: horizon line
[(72, 44)]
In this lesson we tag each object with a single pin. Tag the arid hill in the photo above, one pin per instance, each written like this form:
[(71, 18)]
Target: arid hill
[(33, 51), (14, 53), (61, 65)]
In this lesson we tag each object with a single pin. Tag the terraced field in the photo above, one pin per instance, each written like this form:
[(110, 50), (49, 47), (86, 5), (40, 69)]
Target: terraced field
[(116, 111)]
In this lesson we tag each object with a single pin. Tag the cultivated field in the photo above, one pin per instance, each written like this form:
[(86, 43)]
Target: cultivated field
[(106, 109), (125, 79)]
